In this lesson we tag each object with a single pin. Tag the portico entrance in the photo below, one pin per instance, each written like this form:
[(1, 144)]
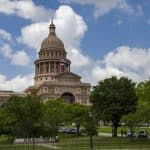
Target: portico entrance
[(68, 97)]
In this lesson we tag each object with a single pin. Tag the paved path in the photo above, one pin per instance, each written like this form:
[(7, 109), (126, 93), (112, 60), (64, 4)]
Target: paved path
[(50, 146), (107, 134)]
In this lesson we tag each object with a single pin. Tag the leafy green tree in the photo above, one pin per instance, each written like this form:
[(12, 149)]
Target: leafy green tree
[(78, 115), (131, 120), (13, 110), (6, 122), (33, 110), (53, 117), (27, 114), (143, 93), (91, 123), (112, 98), (57, 112)]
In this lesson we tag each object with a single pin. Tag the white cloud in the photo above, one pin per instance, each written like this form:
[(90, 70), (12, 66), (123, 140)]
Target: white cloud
[(78, 60), (131, 58), (103, 7), (25, 9), (37, 32), (124, 61), (5, 35), (19, 58), (18, 83), (70, 27)]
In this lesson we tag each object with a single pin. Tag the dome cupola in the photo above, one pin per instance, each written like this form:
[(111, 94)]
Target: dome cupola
[(52, 41)]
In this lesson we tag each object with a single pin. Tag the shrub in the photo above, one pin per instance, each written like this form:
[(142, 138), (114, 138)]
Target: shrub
[(5, 139)]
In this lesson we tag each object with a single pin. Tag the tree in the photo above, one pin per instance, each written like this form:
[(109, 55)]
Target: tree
[(78, 115), (53, 117), (91, 123), (57, 112), (6, 122), (143, 93), (112, 98), (131, 120), (75, 113), (27, 113), (13, 110), (33, 110)]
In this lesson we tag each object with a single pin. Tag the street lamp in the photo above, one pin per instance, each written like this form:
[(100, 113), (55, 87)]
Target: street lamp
[(90, 129)]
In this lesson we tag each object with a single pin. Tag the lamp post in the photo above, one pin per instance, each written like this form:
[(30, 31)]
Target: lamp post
[(90, 129)]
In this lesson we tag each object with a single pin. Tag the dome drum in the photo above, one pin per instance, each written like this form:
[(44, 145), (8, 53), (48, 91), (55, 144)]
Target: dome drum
[(52, 54)]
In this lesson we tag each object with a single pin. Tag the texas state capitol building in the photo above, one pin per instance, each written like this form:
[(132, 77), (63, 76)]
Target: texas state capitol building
[(53, 78)]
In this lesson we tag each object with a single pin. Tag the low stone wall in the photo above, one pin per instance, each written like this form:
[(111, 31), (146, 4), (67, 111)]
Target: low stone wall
[(35, 140)]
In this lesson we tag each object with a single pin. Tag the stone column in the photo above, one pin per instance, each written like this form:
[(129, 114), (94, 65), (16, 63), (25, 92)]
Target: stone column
[(36, 69), (44, 68), (54, 66), (59, 66), (39, 68), (49, 65)]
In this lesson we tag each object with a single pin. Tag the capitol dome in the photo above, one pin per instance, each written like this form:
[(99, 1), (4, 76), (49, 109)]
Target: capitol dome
[(52, 41)]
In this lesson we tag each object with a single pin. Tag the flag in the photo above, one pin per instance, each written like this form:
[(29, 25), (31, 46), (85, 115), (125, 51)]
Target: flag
[(62, 62)]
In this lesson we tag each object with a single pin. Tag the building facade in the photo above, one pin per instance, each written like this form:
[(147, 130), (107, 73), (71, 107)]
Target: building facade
[(53, 78), (5, 95)]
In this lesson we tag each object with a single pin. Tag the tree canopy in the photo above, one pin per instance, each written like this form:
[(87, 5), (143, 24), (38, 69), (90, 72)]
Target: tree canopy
[(112, 98), (26, 114), (143, 93), (76, 113), (53, 117), (30, 117)]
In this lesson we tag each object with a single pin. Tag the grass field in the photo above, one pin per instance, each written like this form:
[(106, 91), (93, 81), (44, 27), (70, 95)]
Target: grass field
[(82, 143), (70, 142), (23, 147), (108, 129)]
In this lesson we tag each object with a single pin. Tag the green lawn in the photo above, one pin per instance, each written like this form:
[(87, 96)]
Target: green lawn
[(82, 143), (108, 129), (23, 147), (71, 142)]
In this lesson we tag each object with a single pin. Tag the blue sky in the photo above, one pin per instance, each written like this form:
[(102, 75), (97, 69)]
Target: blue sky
[(102, 38)]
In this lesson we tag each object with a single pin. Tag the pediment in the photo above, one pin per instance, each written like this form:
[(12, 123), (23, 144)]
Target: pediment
[(67, 75)]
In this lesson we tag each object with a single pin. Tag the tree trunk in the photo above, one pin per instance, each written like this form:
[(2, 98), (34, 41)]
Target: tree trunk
[(78, 128), (114, 129), (132, 136)]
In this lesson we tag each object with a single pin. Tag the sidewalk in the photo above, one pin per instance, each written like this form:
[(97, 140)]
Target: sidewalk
[(107, 134)]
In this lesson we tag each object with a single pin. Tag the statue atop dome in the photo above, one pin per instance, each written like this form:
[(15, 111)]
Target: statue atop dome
[(52, 28)]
